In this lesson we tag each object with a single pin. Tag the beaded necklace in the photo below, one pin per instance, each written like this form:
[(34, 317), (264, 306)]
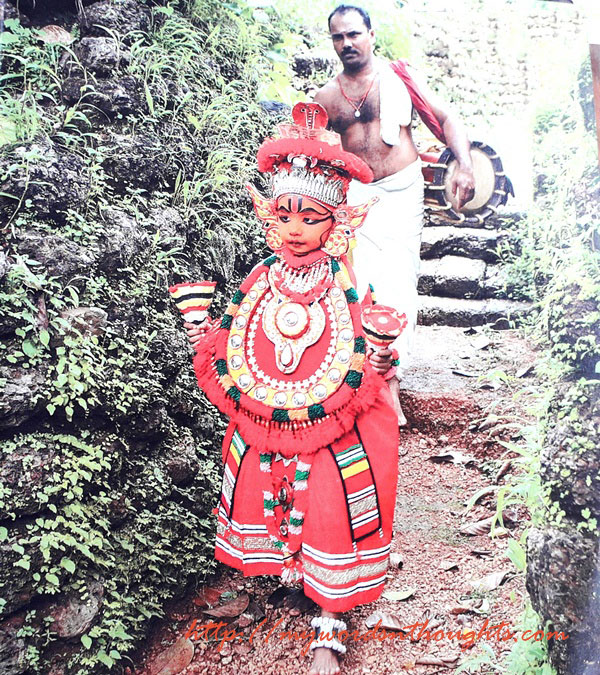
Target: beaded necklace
[(302, 284)]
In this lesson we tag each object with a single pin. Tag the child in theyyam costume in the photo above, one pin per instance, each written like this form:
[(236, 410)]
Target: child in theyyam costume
[(310, 455)]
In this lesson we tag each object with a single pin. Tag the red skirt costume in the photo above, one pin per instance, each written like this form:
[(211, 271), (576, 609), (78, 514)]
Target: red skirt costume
[(310, 456)]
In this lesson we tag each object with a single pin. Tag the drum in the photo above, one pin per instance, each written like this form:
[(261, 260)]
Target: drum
[(492, 186)]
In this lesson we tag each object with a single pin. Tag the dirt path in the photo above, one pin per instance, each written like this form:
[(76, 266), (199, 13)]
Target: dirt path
[(449, 409)]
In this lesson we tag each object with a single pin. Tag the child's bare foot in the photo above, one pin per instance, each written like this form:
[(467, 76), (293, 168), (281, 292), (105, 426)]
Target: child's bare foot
[(394, 385), (326, 658), (325, 662)]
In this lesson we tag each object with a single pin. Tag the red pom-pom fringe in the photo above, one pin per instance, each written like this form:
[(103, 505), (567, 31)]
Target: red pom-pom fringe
[(272, 151)]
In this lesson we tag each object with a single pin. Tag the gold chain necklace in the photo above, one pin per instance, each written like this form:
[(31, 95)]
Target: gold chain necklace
[(362, 100)]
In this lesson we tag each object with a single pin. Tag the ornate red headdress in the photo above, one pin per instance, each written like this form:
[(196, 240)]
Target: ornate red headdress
[(307, 159)]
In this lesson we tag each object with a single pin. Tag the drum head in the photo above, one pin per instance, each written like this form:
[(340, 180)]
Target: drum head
[(491, 185), (485, 182)]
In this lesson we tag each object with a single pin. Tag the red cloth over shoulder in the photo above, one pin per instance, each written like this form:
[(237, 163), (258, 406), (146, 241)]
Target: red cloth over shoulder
[(421, 105)]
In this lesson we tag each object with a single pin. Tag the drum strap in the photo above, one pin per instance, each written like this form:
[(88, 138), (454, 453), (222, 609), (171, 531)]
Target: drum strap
[(421, 105)]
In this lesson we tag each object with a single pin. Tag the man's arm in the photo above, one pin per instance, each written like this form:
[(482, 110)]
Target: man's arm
[(463, 181)]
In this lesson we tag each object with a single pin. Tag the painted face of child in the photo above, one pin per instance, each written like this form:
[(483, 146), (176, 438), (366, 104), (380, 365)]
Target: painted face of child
[(303, 223)]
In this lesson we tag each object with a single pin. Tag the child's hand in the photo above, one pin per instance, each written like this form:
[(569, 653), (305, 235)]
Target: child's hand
[(196, 331), (381, 360)]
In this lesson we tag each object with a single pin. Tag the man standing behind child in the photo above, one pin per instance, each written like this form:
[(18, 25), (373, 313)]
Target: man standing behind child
[(371, 109)]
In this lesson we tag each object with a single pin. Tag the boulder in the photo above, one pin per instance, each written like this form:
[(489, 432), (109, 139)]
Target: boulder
[(51, 181), (107, 99), (20, 397), (128, 18), (170, 351), (276, 109), (168, 222), (120, 241), (471, 242), (24, 472), (72, 614), (119, 510), (182, 463), (12, 648), (146, 422), (59, 257), (137, 161), (562, 581), (101, 55), (571, 452), (220, 256), (306, 64)]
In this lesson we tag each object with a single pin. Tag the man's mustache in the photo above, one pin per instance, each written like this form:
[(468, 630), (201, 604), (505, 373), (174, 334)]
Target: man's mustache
[(348, 50)]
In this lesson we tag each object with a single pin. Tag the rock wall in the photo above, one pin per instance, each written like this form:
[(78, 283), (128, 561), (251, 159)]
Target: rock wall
[(123, 155), (563, 576)]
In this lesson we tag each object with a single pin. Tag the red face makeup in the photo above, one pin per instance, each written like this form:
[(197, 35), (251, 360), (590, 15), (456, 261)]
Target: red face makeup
[(303, 223)]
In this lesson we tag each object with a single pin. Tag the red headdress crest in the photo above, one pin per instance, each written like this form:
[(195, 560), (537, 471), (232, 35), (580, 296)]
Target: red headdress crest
[(307, 159)]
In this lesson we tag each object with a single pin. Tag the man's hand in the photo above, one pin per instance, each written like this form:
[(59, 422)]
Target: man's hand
[(196, 331), (462, 186), (381, 360)]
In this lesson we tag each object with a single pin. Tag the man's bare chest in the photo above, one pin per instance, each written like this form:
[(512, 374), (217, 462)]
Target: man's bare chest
[(343, 116)]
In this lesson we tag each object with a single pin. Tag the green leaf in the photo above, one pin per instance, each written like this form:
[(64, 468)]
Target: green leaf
[(149, 99), (164, 10), (86, 641), (24, 563), (68, 564), (3, 533), (51, 408), (52, 579), (29, 348), (8, 38), (44, 337), (105, 658), (516, 554), (17, 548)]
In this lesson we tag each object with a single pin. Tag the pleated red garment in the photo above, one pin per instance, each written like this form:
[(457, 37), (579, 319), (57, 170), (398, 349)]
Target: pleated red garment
[(338, 573)]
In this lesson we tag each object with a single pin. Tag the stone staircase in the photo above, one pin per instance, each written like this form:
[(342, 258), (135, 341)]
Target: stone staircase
[(462, 281)]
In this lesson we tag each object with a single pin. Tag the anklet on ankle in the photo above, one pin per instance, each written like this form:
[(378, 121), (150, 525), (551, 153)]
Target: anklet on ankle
[(326, 630)]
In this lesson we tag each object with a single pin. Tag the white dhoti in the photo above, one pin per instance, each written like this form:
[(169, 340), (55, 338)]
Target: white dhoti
[(388, 246)]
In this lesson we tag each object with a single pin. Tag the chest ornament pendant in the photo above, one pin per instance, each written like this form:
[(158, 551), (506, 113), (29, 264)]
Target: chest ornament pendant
[(292, 327)]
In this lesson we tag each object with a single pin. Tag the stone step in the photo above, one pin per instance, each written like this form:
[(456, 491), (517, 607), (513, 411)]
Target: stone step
[(470, 242), (498, 221), (436, 311), (452, 276), (459, 277)]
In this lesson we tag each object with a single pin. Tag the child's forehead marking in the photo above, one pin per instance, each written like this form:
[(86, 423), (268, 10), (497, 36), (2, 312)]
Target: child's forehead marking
[(296, 204)]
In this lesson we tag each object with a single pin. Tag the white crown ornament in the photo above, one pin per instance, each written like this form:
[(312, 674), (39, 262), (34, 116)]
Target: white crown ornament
[(300, 180)]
